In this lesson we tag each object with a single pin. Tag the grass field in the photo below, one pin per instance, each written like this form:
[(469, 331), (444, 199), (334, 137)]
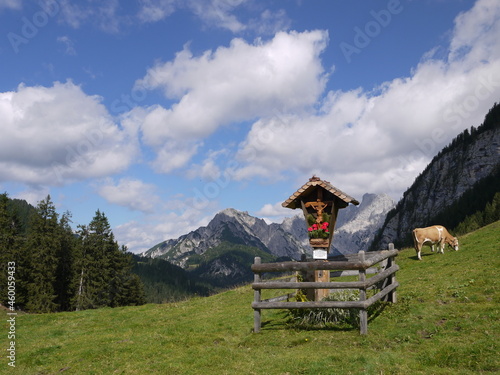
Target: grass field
[(445, 322)]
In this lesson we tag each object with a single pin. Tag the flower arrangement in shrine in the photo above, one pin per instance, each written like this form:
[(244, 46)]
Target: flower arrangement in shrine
[(320, 202), (318, 231), (318, 228)]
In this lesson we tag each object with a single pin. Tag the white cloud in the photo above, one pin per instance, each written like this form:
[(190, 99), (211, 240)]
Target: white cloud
[(11, 4), (173, 155), (156, 10), (270, 22), (212, 13), (218, 13), (380, 140), (475, 37), (208, 170), (33, 196), (55, 135), (104, 15), (275, 211), (231, 84), (131, 193), (141, 236)]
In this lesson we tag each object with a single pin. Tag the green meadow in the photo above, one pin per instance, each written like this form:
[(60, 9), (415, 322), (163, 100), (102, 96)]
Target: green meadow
[(446, 321)]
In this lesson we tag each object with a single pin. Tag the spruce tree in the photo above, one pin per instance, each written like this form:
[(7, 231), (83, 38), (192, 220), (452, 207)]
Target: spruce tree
[(40, 259), (65, 273), (125, 287), (96, 241), (9, 249), (103, 270)]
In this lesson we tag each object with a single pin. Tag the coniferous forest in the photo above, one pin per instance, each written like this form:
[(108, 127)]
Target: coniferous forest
[(55, 269)]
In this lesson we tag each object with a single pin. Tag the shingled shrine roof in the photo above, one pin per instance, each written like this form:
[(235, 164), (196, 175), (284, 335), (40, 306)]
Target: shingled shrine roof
[(309, 186)]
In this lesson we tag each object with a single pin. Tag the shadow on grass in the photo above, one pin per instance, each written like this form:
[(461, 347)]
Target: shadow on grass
[(424, 255)]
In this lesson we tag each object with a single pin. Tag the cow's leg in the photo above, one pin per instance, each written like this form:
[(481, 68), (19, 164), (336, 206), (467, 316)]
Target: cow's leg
[(432, 247), (441, 247), (418, 248)]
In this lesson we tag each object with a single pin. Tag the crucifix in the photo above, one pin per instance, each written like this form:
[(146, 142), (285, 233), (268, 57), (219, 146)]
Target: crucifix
[(319, 206)]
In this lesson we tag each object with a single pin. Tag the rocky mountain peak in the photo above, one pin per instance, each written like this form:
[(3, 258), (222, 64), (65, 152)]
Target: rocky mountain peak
[(288, 239)]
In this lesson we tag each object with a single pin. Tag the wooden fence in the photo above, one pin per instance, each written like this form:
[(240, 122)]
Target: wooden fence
[(359, 264)]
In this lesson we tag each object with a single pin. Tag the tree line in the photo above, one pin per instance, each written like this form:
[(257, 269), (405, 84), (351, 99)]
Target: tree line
[(58, 269)]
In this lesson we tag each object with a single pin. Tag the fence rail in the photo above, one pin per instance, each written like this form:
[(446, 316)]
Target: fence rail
[(362, 264)]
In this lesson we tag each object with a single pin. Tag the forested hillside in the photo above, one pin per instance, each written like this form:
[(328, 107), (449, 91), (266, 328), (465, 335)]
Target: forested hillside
[(51, 268), (166, 282)]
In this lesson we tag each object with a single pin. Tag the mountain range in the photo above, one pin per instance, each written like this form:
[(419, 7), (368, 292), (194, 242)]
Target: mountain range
[(224, 249)]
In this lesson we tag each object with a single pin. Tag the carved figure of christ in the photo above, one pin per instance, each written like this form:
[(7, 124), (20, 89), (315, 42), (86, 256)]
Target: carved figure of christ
[(319, 206)]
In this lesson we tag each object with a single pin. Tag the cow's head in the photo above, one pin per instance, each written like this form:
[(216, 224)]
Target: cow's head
[(453, 242)]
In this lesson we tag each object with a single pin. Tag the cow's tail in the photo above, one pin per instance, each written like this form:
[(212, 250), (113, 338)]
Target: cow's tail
[(415, 241)]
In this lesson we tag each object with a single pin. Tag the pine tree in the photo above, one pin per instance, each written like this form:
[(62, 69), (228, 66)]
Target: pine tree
[(40, 259), (9, 246), (104, 275), (126, 287), (65, 273), (96, 241)]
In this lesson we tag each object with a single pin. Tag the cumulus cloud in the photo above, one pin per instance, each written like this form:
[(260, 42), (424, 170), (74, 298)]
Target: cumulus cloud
[(273, 211), (131, 193), (380, 139), (232, 84), (55, 135), (141, 236), (208, 170)]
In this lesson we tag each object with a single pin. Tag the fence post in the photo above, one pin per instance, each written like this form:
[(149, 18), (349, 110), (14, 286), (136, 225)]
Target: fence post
[(392, 297), (256, 298), (363, 314)]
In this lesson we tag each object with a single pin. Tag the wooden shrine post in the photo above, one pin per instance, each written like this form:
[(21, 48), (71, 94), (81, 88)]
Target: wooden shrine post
[(320, 202)]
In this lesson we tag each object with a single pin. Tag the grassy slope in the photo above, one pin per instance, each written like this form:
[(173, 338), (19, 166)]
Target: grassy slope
[(446, 322)]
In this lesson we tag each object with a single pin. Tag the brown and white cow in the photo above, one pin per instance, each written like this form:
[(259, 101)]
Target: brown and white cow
[(430, 236)]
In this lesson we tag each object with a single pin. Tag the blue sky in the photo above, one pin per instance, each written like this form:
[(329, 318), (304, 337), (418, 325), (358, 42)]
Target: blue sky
[(161, 113)]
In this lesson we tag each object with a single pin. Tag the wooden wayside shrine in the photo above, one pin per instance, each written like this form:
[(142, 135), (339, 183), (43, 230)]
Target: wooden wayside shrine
[(320, 202)]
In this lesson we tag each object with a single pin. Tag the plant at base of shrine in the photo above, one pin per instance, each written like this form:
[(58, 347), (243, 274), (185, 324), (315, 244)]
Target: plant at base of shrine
[(318, 230), (326, 316)]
